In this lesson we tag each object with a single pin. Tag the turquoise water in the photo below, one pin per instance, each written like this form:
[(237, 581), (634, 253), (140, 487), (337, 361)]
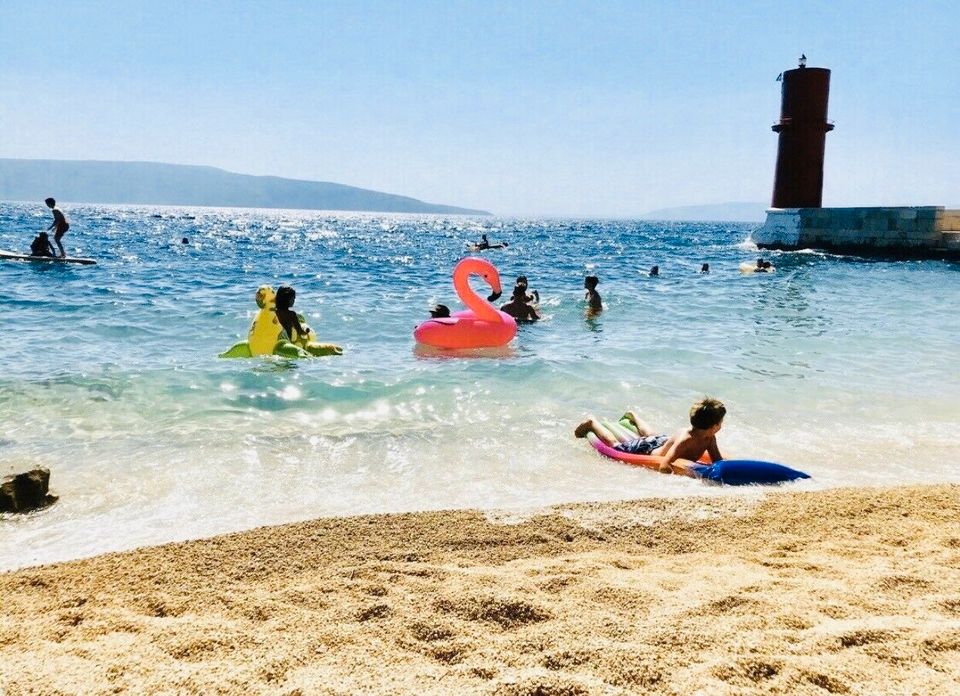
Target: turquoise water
[(842, 367)]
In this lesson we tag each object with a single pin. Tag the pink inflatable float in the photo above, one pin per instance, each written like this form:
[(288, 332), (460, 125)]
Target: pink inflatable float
[(480, 326)]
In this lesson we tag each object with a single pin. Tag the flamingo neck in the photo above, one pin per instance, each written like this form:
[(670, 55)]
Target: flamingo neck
[(480, 307)]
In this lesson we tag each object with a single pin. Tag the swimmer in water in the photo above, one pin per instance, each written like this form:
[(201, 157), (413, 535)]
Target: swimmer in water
[(520, 307), (521, 284), (594, 303)]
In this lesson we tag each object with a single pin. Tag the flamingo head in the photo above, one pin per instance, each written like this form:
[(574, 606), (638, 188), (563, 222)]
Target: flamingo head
[(483, 268)]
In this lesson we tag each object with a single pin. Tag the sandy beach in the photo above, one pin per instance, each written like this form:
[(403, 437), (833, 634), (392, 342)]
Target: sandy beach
[(844, 591)]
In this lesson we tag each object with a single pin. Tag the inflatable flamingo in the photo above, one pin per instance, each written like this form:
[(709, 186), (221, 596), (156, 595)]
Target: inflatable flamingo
[(480, 326)]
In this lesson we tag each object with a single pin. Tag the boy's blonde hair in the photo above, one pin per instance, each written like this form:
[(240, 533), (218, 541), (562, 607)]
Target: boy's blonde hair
[(707, 413)]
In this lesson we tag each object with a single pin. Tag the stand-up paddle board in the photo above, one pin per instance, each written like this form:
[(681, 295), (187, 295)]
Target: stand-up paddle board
[(13, 256)]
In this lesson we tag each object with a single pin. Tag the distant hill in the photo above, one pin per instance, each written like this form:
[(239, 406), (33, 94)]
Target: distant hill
[(718, 212), (93, 181)]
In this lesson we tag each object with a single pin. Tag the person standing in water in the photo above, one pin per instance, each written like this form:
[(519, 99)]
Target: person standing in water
[(521, 286), (59, 225), (594, 303), (519, 307)]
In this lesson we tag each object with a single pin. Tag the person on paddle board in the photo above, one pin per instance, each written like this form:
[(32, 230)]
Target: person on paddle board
[(41, 246), (485, 244), (59, 225)]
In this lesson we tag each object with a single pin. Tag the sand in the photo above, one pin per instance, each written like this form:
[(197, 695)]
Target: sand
[(843, 591)]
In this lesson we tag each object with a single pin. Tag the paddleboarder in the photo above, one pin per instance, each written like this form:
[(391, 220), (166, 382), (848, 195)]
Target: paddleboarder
[(59, 225)]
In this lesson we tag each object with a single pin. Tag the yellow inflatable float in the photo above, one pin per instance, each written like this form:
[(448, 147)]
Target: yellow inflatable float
[(267, 336)]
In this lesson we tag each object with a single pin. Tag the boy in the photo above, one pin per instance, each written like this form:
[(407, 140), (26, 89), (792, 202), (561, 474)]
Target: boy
[(521, 284), (519, 306), (59, 225), (594, 303), (706, 419)]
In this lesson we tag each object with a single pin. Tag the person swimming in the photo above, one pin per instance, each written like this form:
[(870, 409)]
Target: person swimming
[(521, 283), (440, 311), (520, 307)]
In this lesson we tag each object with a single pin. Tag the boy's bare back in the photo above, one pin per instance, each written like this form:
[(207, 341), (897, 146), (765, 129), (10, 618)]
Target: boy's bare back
[(689, 443)]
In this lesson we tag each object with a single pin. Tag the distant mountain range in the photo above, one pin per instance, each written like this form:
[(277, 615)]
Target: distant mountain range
[(154, 183), (717, 212)]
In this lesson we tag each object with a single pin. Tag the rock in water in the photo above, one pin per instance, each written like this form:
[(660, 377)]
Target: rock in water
[(27, 491)]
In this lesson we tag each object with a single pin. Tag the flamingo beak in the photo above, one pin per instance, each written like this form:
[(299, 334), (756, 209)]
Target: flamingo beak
[(494, 285)]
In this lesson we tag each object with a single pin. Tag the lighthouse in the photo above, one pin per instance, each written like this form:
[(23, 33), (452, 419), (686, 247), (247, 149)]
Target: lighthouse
[(797, 218), (802, 129)]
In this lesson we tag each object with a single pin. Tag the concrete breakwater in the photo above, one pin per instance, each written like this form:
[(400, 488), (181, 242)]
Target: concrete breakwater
[(915, 231)]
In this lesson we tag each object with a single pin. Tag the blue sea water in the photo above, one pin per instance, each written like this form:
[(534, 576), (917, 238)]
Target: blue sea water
[(843, 367)]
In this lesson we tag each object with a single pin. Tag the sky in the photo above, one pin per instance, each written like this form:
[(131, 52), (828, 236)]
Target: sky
[(521, 108)]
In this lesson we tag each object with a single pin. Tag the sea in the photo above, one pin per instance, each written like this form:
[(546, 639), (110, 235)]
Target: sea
[(843, 367)]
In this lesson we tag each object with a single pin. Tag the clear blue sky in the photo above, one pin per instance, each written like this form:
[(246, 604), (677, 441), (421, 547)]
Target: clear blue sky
[(562, 108)]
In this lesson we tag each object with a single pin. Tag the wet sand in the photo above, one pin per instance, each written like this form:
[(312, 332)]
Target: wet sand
[(845, 591)]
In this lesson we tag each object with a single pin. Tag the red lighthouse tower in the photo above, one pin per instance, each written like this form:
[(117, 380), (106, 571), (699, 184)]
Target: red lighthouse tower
[(803, 129)]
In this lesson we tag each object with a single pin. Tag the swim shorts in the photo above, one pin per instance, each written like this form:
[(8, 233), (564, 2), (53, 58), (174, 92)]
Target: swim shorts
[(642, 445)]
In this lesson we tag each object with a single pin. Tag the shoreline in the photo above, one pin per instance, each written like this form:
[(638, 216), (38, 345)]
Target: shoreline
[(836, 591)]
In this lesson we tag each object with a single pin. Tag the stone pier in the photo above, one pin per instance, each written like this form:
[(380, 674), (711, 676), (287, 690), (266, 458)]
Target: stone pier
[(904, 232)]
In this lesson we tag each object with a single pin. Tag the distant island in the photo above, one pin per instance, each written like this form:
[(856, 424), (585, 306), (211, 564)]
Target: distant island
[(717, 212), (155, 183)]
